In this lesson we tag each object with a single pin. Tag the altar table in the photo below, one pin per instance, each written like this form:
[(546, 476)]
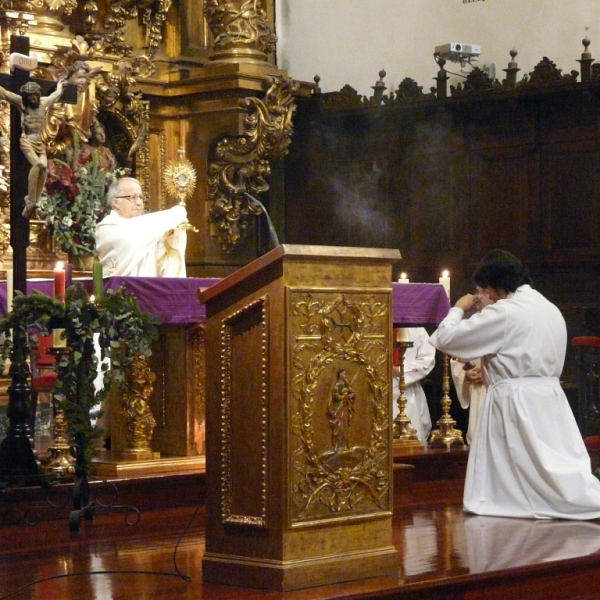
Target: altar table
[(175, 301), (178, 398), (419, 304)]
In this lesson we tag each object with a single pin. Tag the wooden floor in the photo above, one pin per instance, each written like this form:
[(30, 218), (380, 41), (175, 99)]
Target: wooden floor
[(443, 553)]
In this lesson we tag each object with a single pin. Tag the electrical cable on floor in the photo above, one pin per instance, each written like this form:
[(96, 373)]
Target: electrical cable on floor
[(177, 572)]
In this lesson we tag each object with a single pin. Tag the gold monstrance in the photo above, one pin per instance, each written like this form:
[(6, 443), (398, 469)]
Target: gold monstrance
[(179, 180)]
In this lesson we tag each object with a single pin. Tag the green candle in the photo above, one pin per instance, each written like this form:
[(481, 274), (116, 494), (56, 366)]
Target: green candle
[(97, 279)]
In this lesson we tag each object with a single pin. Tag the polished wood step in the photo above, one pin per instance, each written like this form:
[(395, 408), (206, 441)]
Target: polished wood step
[(443, 554)]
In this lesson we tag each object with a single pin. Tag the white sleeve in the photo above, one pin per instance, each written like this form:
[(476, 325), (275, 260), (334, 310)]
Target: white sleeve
[(461, 383), (469, 339), (128, 241)]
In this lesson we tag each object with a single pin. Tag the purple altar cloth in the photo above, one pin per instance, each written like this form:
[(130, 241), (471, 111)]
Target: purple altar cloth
[(173, 300), (419, 304)]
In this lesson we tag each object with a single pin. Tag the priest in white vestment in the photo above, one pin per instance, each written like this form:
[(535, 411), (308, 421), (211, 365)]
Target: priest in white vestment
[(133, 244), (419, 360), (527, 458)]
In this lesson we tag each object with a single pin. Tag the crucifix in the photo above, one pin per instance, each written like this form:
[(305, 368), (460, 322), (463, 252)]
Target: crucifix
[(18, 460)]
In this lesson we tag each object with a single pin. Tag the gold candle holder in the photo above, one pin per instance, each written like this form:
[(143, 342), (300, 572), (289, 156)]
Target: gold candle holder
[(446, 436), (61, 461), (404, 435)]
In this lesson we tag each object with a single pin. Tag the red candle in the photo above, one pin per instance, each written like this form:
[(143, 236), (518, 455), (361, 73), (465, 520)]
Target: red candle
[(60, 280)]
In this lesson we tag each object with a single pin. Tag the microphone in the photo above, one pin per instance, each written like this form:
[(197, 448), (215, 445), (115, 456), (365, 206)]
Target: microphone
[(255, 202)]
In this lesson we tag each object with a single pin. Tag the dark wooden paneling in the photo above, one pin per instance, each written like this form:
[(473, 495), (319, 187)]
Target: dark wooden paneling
[(445, 181)]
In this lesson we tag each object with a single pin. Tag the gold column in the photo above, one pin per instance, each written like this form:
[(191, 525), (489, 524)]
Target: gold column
[(135, 413), (240, 31)]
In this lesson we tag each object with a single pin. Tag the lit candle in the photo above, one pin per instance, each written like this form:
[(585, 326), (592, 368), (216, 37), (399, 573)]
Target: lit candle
[(97, 279), (445, 281), (59, 280), (402, 334), (403, 278), (10, 284)]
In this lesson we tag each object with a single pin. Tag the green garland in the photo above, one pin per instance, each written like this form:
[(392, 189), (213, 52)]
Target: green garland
[(123, 331)]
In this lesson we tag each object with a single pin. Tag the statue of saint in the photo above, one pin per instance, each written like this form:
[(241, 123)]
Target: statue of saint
[(106, 159), (340, 411), (80, 117)]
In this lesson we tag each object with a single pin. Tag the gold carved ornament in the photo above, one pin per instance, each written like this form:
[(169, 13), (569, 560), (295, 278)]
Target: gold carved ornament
[(241, 165), (111, 40), (134, 404), (66, 6), (337, 334), (240, 30)]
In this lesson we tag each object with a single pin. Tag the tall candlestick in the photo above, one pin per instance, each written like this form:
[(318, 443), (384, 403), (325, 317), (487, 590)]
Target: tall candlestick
[(403, 278), (445, 281), (97, 279), (59, 280), (10, 284)]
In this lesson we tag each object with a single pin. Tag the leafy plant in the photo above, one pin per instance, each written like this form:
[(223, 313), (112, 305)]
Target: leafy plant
[(122, 329), (75, 201)]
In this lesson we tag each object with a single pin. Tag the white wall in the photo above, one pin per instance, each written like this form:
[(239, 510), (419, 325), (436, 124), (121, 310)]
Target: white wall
[(350, 41)]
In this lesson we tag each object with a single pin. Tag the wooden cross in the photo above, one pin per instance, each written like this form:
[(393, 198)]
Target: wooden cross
[(19, 166), (18, 460)]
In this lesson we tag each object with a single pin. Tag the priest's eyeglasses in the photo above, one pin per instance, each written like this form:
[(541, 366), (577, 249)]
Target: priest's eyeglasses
[(133, 198)]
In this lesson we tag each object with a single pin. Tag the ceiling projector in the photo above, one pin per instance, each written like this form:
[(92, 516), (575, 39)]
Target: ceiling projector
[(458, 52)]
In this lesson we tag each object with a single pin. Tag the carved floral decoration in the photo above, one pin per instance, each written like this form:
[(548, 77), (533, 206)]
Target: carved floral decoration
[(239, 27), (241, 164), (340, 364)]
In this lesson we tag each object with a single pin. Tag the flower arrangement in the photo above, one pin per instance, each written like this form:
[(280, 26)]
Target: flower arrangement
[(75, 201)]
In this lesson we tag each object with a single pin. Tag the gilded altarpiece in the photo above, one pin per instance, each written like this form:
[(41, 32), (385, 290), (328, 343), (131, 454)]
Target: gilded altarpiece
[(339, 405)]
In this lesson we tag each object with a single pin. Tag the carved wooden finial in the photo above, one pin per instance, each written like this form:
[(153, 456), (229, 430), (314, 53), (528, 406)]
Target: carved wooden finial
[(586, 42), (380, 83), (513, 54), (379, 88), (586, 60), (317, 79)]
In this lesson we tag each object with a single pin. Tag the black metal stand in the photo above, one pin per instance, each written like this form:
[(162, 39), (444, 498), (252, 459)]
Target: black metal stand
[(82, 501), (18, 460)]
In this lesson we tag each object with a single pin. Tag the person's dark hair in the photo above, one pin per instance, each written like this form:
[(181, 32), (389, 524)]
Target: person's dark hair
[(501, 270)]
